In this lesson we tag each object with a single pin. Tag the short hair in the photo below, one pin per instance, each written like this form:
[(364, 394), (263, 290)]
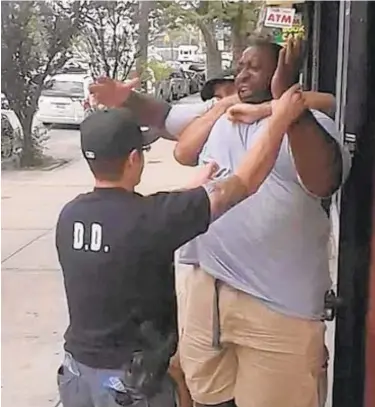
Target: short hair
[(265, 42), (107, 169)]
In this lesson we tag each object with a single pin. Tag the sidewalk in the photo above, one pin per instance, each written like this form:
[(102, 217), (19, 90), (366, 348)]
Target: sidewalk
[(34, 314)]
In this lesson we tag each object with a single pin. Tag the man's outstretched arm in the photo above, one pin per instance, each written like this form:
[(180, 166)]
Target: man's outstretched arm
[(148, 110), (169, 121)]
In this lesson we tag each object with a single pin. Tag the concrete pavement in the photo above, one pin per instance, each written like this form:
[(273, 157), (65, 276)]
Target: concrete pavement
[(34, 314)]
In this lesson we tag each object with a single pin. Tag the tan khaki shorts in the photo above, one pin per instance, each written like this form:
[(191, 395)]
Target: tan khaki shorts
[(184, 275), (267, 359)]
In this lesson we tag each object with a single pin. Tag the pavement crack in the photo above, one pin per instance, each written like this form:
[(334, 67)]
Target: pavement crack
[(26, 245)]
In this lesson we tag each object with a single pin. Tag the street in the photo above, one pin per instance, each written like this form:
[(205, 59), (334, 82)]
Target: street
[(34, 314), (63, 143)]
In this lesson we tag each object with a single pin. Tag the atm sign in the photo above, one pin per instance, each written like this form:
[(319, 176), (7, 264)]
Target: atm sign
[(279, 17)]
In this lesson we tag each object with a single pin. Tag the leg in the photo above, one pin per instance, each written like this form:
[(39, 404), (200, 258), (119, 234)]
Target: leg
[(209, 372), (184, 274), (175, 371), (280, 357)]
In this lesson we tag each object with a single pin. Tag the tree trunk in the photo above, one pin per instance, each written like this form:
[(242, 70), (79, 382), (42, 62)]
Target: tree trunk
[(26, 115), (144, 8), (239, 35), (28, 148), (213, 54)]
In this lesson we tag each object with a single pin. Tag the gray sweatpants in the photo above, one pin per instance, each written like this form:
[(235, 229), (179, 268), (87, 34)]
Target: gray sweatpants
[(83, 386)]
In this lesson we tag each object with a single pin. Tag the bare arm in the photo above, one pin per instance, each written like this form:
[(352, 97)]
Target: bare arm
[(148, 110), (317, 156), (193, 137), (249, 113), (324, 102)]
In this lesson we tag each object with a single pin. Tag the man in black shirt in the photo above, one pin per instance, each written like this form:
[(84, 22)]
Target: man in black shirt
[(116, 248)]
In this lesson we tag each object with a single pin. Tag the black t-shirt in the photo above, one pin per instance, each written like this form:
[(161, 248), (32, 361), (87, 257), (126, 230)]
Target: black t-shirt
[(116, 249)]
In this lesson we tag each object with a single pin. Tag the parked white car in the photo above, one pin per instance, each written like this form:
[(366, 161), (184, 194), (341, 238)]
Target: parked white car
[(62, 99)]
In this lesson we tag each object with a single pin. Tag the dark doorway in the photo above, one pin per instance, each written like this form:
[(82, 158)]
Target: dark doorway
[(356, 208)]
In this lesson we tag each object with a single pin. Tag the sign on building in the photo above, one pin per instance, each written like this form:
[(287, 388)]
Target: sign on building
[(279, 17), (297, 30)]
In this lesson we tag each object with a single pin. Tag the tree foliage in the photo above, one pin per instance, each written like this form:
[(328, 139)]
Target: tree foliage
[(35, 40), (209, 16), (108, 38)]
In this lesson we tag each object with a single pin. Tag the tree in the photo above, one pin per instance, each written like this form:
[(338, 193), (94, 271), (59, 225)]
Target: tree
[(144, 9), (35, 42), (201, 14), (108, 38), (239, 16)]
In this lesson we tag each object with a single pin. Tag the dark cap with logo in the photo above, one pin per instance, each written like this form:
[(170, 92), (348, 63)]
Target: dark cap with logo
[(111, 134), (208, 90)]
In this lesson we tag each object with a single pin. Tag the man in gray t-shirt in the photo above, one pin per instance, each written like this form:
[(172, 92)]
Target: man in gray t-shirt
[(272, 250), (253, 333)]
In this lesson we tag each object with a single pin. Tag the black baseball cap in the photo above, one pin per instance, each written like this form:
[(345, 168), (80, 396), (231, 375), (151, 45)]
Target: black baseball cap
[(208, 90), (112, 133)]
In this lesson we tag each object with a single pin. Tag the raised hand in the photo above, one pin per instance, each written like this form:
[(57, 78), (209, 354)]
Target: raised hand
[(110, 92), (290, 106), (286, 73)]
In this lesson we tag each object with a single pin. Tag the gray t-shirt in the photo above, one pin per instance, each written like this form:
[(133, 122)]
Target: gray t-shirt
[(274, 244)]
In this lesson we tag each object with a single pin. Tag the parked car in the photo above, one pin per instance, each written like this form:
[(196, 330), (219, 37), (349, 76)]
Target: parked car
[(175, 87), (11, 131), (163, 90), (197, 67), (179, 85), (62, 99), (195, 81)]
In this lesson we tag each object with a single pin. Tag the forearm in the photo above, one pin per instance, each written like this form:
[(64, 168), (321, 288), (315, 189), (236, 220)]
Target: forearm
[(260, 159), (192, 139), (262, 111), (324, 102), (147, 110), (252, 172), (316, 155)]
